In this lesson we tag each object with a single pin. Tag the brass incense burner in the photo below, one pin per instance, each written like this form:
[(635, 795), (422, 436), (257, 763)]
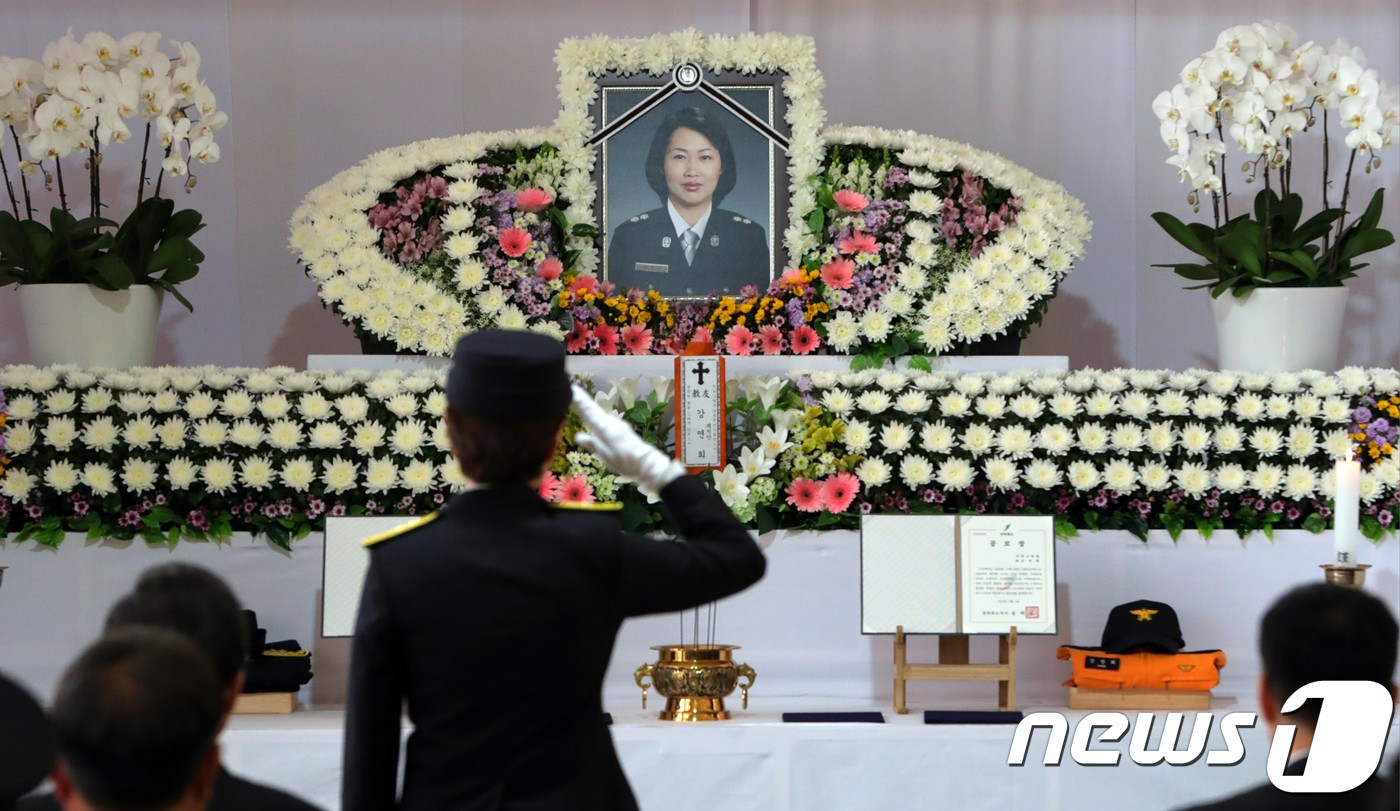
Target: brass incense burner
[(695, 679)]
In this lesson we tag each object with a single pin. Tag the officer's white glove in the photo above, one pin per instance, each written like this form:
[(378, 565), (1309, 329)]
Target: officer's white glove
[(621, 450)]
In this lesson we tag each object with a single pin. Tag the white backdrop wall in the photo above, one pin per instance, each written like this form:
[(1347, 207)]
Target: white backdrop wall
[(314, 86)]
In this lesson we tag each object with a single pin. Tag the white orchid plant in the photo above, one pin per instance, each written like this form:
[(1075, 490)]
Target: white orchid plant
[(1257, 92), (82, 98)]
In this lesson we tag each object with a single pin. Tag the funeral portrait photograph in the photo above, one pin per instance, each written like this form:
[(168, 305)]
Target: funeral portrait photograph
[(687, 192)]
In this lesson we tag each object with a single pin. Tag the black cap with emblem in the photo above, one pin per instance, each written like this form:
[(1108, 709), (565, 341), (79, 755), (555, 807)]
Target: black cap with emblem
[(508, 375), (1142, 623)]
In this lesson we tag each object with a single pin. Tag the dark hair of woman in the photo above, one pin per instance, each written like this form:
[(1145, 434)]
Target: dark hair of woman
[(707, 125), (492, 451)]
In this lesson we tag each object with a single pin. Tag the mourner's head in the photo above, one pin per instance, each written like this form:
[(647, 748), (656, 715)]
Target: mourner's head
[(26, 742), (691, 162), (197, 603), (507, 395), (135, 717), (1325, 632)]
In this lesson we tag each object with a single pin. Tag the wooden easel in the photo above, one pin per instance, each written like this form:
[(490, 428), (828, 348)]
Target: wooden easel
[(953, 666)]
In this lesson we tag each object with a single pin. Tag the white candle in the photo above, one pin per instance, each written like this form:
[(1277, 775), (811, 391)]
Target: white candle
[(1345, 508)]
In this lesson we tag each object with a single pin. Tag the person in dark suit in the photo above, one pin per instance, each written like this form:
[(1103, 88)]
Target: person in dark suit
[(496, 617), (689, 246), (1317, 632), (135, 717), (199, 605), (26, 743)]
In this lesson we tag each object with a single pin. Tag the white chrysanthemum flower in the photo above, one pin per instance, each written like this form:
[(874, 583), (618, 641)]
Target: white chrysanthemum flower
[(913, 402), (1043, 475), (921, 253), (1083, 476), (1002, 474), (1229, 438), (936, 437), (1336, 410), (1266, 480), (895, 437), (1231, 478), (1300, 482), (237, 403), (1194, 479), (172, 433), (200, 405), (352, 408), (284, 435), (873, 472), (60, 433), (402, 405), (1100, 404), (61, 476), (1027, 407), (991, 406), (1173, 403), (1302, 441), (873, 401), (1064, 405), (314, 406), (857, 436), (368, 437), (60, 402), (340, 475), (1015, 441), (875, 325), (1249, 407), (100, 434), (969, 384), (924, 202), (842, 331), (23, 407), (912, 278), (218, 475), (1279, 407), (1195, 438), (17, 484), (165, 402), (418, 476), (246, 433), (96, 400), (1208, 407), (1127, 437), (298, 474), (955, 474), (1266, 441), (139, 475), (1055, 439), (954, 404), (838, 401), (915, 470), (1120, 476), (1093, 437), (978, 438), (327, 435), (408, 437), (256, 472), (1337, 443), (1161, 437), (99, 478), (823, 378), (210, 433), (181, 472), (1222, 382), (920, 230), (1154, 477), (1306, 406)]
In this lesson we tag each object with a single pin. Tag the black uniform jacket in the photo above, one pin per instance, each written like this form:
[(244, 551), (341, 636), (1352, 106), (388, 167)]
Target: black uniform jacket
[(231, 793), (646, 253), (1268, 797), (496, 621)]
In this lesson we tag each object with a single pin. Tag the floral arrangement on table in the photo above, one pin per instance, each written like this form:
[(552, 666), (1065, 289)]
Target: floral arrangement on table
[(902, 244), (75, 104), (1261, 89), (167, 454)]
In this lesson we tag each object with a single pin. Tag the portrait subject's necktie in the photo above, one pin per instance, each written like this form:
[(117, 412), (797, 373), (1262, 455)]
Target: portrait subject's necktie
[(689, 239)]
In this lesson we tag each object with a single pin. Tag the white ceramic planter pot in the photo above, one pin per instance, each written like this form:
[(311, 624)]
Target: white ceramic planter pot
[(1280, 329), (82, 324)]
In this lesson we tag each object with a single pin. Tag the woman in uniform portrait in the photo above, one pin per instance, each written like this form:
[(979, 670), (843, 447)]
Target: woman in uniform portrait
[(689, 246)]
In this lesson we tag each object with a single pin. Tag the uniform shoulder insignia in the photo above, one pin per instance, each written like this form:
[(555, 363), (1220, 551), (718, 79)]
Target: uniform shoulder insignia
[(634, 219), (644, 216), (748, 221), (399, 530), (737, 218), (595, 506)]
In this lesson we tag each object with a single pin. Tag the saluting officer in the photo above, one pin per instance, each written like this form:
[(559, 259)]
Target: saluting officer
[(495, 618)]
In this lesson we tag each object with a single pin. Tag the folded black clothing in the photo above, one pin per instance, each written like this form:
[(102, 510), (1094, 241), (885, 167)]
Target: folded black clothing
[(278, 672), (971, 717), (866, 717)]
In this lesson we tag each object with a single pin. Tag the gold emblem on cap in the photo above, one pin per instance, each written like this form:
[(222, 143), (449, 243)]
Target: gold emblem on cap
[(1144, 614), (1186, 668)]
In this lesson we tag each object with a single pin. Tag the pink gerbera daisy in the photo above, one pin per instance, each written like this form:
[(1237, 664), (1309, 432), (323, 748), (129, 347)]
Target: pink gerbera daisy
[(770, 340), (607, 339), (850, 201), (637, 339), (550, 269), (839, 490), (576, 490), (805, 495), (857, 243), (550, 487), (514, 241), (804, 340), (578, 337), (583, 283), (739, 341), (533, 200), (837, 273)]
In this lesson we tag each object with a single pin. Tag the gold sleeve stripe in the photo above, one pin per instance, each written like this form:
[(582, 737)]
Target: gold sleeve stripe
[(399, 530), (288, 653), (597, 506)]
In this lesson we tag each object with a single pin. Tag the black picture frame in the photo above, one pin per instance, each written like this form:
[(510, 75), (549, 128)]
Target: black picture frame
[(752, 110)]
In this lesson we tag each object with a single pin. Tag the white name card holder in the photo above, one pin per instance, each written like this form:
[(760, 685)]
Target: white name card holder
[(955, 576), (700, 409)]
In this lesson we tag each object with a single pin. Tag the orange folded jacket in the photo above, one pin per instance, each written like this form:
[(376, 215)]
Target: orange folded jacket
[(1191, 670)]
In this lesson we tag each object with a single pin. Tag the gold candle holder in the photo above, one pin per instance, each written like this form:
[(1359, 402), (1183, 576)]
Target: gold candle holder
[(1351, 576)]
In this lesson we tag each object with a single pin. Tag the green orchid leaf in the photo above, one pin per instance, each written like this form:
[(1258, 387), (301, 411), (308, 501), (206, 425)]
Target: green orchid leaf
[(1184, 234)]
